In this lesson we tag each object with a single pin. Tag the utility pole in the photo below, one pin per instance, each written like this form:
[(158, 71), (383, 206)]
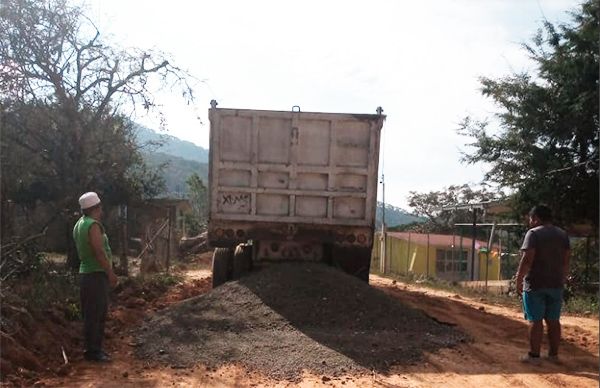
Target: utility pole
[(383, 256), (124, 266), (383, 248)]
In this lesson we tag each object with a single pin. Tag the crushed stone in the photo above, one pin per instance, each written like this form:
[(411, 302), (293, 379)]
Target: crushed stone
[(293, 317)]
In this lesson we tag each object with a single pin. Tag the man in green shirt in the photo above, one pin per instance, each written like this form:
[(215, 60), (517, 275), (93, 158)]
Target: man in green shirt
[(96, 274)]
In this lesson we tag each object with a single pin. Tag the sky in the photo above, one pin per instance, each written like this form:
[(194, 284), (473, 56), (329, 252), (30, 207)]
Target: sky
[(419, 60)]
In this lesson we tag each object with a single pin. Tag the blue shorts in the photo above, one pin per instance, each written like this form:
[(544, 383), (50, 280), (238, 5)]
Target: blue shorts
[(543, 303)]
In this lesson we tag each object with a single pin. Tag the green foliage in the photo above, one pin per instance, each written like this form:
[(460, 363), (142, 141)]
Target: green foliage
[(72, 310), (152, 285), (175, 171), (43, 161), (546, 146), (583, 269), (583, 304), (198, 194), (193, 224), (63, 98), (394, 216), (164, 280), (19, 258), (441, 221), (44, 285), (171, 145)]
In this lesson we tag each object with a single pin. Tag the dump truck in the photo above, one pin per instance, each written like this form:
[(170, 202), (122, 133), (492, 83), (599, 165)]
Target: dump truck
[(291, 186)]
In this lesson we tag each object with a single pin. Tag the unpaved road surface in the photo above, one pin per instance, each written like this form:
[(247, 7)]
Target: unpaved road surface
[(489, 359), (499, 337)]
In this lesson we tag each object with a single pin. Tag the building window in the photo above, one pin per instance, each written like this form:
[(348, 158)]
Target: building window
[(448, 261)]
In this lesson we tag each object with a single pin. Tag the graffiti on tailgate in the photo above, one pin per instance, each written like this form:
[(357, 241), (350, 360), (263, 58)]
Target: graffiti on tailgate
[(234, 203)]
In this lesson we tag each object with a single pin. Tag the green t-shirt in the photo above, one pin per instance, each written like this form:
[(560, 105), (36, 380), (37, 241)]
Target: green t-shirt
[(84, 248)]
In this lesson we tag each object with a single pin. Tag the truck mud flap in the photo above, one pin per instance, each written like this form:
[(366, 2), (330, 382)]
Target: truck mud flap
[(222, 262), (242, 261), (353, 260)]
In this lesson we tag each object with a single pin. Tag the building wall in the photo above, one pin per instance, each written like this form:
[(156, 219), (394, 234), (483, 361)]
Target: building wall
[(406, 257), (493, 266)]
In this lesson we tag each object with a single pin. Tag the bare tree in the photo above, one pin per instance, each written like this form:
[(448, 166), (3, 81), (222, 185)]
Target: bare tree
[(51, 52), (53, 61), (66, 98)]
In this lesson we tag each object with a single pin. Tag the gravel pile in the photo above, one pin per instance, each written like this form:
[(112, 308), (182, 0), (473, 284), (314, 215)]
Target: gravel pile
[(287, 318)]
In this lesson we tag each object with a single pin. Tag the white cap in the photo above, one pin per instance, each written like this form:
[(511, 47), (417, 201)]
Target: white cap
[(88, 200)]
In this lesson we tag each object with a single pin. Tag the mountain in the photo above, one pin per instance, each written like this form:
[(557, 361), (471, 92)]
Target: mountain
[(177, 171), (394, 216), (171, 145), (182, 158)]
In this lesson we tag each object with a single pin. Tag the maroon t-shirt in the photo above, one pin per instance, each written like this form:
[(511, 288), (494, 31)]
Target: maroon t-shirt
[(550, 244)]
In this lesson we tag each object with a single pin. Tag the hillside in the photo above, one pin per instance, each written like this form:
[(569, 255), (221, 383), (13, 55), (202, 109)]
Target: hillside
[(177, 171), (182, 158), (395, 216), (171, 144)]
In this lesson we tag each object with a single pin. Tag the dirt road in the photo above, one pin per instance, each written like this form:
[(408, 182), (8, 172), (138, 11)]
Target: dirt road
[(499, 335), (490, 360)]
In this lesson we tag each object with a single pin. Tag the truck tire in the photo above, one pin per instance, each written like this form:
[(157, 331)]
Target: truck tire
[(355, 261), (221, 264), (242, 260)]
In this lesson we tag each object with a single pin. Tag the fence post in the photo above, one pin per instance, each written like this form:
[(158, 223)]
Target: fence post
[(474, 237), (382, 251), (427, 272), (453, 256), (461, 252), (587, 261), (500, 255), (169, 236), (124, 264), (408, 253)]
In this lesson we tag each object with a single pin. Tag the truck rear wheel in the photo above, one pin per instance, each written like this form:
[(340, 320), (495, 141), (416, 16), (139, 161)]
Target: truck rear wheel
[(242, 260), (353, 260), (221, 264)]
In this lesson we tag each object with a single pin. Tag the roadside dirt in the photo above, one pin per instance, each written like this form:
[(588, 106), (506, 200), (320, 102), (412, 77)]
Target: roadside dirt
[(498, 337)]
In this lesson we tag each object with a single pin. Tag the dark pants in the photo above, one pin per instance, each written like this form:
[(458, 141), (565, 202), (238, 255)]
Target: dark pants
[(94, 306)]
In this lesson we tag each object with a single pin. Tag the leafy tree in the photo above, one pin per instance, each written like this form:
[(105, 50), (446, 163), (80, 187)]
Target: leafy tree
[(430, 205), (65, 97), (546, 146), (198, 194), (584, 265)]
